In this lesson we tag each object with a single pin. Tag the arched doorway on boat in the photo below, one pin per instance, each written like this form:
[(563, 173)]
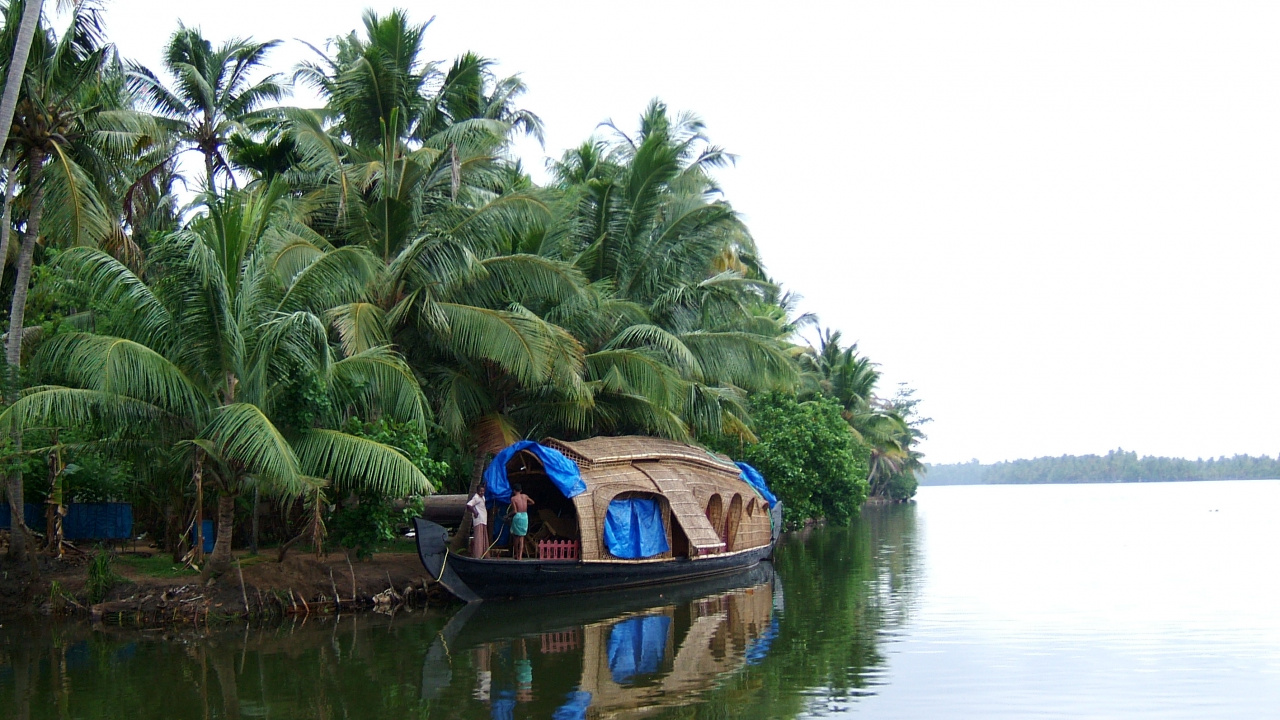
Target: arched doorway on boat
[(637, 525), (553, 519)]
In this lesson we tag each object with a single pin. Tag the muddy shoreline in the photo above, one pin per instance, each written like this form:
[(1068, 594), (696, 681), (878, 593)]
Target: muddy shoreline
[(256, 587)]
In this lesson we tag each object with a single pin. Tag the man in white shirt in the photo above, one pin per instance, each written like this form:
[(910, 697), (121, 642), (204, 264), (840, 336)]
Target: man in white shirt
[(479, 524)]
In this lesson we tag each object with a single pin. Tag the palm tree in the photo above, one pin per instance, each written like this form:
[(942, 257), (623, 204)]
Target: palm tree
[(57, 125), (412, 167), (21, 47), (214, 95), (884, 426), (210, 351), (675, 334), (471, 91)]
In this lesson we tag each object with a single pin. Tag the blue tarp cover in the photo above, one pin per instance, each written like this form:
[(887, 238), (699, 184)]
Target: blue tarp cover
[(574, 707), (633, 528), (758, 649), (637, 646), (753, 478), (83, 521), (562, 471)]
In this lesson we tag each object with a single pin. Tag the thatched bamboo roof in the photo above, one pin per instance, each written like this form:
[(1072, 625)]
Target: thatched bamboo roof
[(597, 451)]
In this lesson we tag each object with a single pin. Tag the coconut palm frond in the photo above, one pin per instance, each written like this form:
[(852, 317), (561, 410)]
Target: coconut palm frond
[(350, 461), (378, 381), (245, 437)]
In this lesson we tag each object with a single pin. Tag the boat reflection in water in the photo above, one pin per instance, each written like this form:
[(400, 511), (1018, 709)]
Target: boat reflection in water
[(633, 652)]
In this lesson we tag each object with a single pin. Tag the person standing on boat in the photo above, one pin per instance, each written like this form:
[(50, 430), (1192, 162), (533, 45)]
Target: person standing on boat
[(520, 521), (479, 524)]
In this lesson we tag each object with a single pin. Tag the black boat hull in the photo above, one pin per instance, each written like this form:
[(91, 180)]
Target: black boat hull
[(473, 579)]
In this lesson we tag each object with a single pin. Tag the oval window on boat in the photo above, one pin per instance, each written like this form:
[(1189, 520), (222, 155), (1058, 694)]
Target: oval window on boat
[(751, 507), (732, 520)]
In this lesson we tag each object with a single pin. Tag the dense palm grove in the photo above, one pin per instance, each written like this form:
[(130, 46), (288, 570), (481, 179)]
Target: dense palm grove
[(355, 304)]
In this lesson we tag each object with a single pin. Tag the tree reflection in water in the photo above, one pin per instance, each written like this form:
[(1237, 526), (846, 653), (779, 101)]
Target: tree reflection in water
[(746, 646)]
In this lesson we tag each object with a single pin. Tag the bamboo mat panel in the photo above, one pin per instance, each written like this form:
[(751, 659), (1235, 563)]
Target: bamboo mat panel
[(685, 507)]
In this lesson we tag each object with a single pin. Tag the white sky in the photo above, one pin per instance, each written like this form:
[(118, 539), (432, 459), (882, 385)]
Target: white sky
[(1057, 221)]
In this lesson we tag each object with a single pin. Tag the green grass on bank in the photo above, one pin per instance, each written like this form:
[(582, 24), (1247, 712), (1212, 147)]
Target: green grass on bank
[(161, 564)]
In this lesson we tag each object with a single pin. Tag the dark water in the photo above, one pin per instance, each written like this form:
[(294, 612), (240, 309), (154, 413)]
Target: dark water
[(1078, 601)]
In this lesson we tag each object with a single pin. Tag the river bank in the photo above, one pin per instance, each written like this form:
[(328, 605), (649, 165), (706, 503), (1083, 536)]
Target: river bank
[(144, 588)]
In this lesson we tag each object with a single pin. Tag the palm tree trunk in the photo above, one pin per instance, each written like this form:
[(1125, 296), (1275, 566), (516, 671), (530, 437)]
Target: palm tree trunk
[(173, 532), (18, 310), (6, 221), (253, 538), (220, 560), (208, 171), (53, 506), (13, 348), (18, 63), (198, 528)]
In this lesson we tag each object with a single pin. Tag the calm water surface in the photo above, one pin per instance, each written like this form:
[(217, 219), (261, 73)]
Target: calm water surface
[(1107, 601)]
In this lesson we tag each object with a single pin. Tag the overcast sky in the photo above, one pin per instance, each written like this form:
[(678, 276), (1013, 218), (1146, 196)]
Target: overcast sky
[(1057, 221)]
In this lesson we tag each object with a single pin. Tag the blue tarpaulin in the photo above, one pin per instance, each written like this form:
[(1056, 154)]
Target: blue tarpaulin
[(562, 471), (83, 521), (504, 705), (637, 646), (98, 521), (633, 528), (758, 649), (32, 515), (574, 707), (753, 478)]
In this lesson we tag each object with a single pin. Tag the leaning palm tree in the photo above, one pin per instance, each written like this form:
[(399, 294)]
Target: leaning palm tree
[(19, 45), (214, 94), (210, 352)]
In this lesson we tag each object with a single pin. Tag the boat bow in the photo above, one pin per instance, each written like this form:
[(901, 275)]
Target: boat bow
[(433, 550)]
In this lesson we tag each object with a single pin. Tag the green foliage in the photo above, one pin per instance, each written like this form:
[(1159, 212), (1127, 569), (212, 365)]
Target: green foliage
[(369, 520), (903, 486), (408, 439), (370, 517), (98, 477), (808, 455), (159, 565), (102, 576)]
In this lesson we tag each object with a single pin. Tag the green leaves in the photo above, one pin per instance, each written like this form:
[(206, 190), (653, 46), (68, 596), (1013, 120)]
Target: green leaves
[(247, 440), (121, 367), (351, 462), (377, 381)]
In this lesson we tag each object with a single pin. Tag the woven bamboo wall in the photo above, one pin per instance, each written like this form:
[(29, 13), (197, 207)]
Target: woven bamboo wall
[(755, 530)]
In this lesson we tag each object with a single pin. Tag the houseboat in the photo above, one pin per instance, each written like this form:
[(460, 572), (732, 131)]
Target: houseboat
[(610, 513)]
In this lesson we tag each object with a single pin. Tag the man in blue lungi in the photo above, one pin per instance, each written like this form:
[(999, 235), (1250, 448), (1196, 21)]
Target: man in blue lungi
[(520, 521)]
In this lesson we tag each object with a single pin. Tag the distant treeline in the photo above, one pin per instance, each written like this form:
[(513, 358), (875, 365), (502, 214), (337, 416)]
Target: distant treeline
[(1116, 466)]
